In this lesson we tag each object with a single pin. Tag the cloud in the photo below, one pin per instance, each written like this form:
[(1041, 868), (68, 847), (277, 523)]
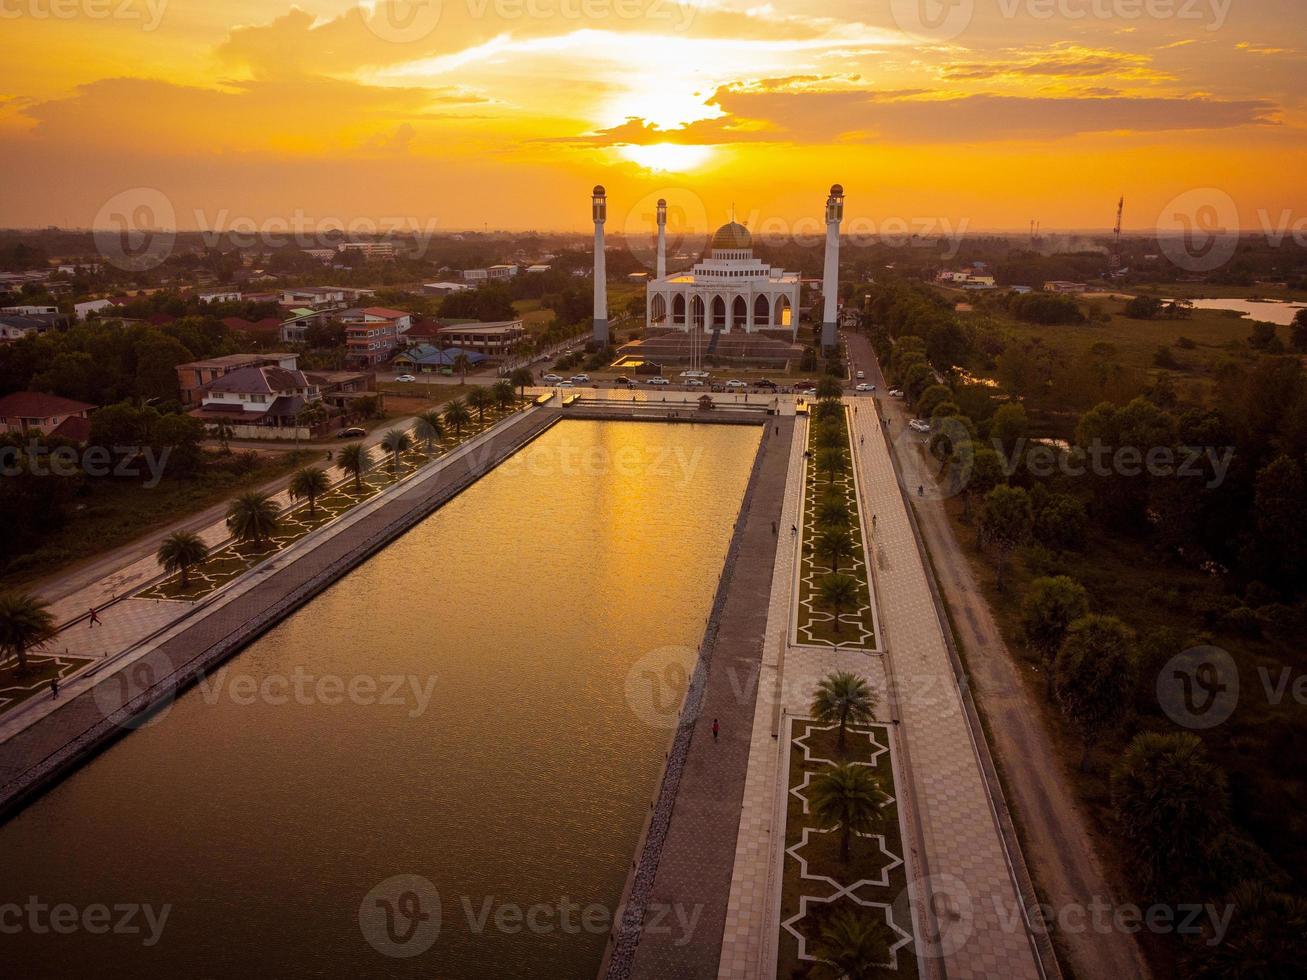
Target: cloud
[(1069, 61)]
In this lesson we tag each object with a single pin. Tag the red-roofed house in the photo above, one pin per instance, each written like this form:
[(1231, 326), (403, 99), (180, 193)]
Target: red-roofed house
[(34, 411), (255, 400), (373, 334)]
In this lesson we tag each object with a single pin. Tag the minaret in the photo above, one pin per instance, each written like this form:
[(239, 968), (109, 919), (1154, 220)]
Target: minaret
[(662, 238), (599, 210), (830, 284)]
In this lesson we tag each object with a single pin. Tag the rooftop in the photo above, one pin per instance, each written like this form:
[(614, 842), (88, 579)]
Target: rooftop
[(39, 405)]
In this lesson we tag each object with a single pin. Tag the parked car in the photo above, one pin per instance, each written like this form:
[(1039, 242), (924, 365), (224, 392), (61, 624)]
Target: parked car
[(658, 381), (736, 383), (896, 393), (766, 383), (580, 378), (551, 379), (353, 432), (694, 374), (623, 380), (566, 384), (865, 387), (919, 425), (405, 378), (694, 383), (861, 375)]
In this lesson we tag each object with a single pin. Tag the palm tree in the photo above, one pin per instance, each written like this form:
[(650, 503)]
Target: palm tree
[(520, 379), (430, 428), (309, 484), (461, 363), (480, 399), (829, 389), (503, 392), (355, 458), (457, 416), (848, 797), (25, 623), (833, 512), (179, 551), (253, 517), (827, 436), (837, 593), (834, 545), (395, 441), (831, 462), (223, 431), (851, 946), (843, 697)]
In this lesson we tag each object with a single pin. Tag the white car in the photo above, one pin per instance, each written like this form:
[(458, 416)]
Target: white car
[(694, 383), (406, 378), (736, 383), (658, 381), (896, 393), (580, 378), (694, 374), (861, 375), (566, 384), (551, 379), (865, 387), (919, 425)]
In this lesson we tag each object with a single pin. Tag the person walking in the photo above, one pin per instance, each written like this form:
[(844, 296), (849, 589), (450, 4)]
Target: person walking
[(716, 728), (54, 688), (95, 619)]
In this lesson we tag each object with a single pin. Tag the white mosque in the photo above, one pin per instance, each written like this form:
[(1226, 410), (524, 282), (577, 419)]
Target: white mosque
[(750, 310)]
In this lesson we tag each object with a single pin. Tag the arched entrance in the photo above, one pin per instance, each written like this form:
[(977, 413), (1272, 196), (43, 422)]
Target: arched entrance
[(696, 312), (658, 310), (784, 315), (739, 313), (678, 310), (718, 313), (761, 312)]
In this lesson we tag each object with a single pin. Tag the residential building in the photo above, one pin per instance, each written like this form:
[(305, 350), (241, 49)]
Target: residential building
[(84, 310), (475, 276), (193, 376), (295, 328), (35, 411), (429, 359), (491, 339), (316, 297), (501, 272), (370, 250), (373, 334), (17, 327), (538, 267), (340, 388), (1061, 286), (219, 296), (444, 288), (30, 310), (263, 401)]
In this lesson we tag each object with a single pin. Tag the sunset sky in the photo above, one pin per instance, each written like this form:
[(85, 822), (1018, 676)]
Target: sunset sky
[(466, 113)]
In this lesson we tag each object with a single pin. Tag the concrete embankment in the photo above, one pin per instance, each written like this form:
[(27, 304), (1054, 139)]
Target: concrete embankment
[(37, 757)]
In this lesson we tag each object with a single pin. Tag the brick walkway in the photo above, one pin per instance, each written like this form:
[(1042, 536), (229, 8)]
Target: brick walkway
[(109, 706), (695, 866)]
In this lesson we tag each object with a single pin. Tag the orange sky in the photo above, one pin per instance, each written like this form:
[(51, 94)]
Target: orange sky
[(451, 114)]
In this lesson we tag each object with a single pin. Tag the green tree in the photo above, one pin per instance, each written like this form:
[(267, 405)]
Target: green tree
[(1051, 605), (832, 462), (354, 458), (179, 552), (480, 399), (838, 593), (521, 379), (1266, 938), (850, 798), (1006, 522), (932, 396), (1169, 800), (1298, 331), (430, 428), (395, 441), (461, 363), (503, 392), (1062, 523), (832, 512), (253, 516), (851, 946), (25, 624), (457, 416), (834, 545), (1008, 425), (1094, 676), (986, 474), (829, 389), (842, 697), (309, 484)]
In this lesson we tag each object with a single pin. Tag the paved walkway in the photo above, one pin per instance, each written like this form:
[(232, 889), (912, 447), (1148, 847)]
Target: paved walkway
[(698, 854), (96, 709)]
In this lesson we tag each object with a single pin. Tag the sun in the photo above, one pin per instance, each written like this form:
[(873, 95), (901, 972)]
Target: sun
[(668, 157)]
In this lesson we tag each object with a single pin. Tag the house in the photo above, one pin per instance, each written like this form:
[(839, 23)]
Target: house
[(84, 310), (17, 327), (315, 297), (475, 276), (30, 310), (259, 402), (269, 328), (428, 359), (538, 267), (444, 288), (295, 328), (219, 296), (1060, 286), (369, 250), (501, 272), (492, 339), (34, 411), (193, 376), (373, 334), (340, 388)]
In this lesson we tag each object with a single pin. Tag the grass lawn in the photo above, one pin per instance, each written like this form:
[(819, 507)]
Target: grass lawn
[(816, 625), (113, 512), (16, 688), (875, 861)]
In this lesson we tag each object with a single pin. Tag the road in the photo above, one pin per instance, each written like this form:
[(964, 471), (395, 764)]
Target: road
[(1057, 838)]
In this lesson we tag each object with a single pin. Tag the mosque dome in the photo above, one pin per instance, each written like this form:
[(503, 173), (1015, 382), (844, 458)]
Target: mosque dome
[(599, 190), (732, 235), (837, 190)]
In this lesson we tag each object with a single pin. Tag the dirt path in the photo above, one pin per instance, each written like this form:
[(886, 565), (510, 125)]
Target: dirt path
[(1056, 837)]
